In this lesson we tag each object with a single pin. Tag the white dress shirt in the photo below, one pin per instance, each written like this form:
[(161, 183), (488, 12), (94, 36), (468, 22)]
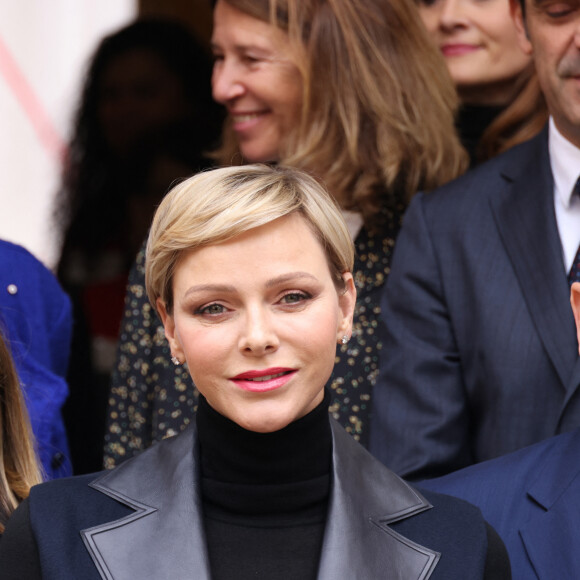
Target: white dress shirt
[(565, 162)]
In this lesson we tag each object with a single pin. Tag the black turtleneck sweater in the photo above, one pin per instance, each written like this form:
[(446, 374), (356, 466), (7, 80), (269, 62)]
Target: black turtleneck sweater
[(471, 124), (264, 495)]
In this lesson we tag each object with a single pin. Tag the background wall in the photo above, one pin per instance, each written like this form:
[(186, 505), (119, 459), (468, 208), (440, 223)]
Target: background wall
[(43, 50), (44, 47)]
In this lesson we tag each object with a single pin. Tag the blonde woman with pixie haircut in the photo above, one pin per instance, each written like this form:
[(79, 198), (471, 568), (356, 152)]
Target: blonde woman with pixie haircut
[(19, 469), (354, 93), (250, 269)]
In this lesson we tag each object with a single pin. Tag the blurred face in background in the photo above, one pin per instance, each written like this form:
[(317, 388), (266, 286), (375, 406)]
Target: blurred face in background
[(478, 39), (137, 94), (256, 78)]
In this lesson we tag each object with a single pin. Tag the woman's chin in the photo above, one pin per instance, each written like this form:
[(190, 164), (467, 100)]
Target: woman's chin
[(264, 426), (254, 154), (264, 422)]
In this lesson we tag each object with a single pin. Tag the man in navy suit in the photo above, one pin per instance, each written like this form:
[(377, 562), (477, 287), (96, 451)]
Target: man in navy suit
[(531, 498), (480, 355)]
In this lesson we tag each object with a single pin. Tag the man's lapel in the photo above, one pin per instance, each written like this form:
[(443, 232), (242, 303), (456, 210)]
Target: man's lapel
[(525, 218), (164, 537), (551, 536), (365, 498)]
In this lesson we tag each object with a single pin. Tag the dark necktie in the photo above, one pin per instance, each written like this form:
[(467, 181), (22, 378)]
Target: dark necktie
[(574, 275)]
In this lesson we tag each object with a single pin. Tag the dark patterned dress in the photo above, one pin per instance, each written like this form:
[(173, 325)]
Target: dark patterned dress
[(152, 399)]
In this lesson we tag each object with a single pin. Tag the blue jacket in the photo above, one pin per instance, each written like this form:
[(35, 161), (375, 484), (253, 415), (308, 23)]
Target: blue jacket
[(532, 498), (35, 314)]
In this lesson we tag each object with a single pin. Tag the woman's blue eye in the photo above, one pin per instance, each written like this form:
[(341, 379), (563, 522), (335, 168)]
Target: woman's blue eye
[(294, 297), (211, 309)]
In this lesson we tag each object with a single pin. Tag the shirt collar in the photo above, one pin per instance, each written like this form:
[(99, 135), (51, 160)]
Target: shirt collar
[(565, 161)]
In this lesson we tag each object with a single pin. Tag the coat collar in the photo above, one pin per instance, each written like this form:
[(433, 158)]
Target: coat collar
[(161, 485), (526, 221)]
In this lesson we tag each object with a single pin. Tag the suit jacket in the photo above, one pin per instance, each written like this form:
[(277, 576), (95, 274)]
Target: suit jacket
[(481, 356), (531, 497), (143, 520), (36, 317)]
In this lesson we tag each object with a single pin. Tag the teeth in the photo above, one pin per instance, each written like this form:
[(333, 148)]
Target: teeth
[(243, 118), (266, 378)]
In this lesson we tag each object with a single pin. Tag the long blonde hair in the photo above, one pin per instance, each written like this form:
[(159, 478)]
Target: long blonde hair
[(19, 468), (378, 115)]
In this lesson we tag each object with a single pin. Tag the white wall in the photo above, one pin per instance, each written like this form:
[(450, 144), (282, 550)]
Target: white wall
[(44, 47)]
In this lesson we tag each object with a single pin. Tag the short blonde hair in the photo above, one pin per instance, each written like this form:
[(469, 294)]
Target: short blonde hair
[(215, 206)]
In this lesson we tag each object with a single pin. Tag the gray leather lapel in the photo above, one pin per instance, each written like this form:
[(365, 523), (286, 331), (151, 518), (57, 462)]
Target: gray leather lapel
[(365, 498), (524, 214), (162, 486)]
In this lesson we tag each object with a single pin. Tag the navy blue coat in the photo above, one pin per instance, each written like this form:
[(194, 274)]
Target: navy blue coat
[(532, 499), (144, 520), (480, 357), (36, 318)]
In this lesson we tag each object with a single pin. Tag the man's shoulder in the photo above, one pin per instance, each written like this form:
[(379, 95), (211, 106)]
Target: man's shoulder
[(510, 474), (490, 179)]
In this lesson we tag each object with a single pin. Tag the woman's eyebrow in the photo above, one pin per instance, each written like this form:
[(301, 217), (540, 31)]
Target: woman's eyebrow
[(229, 288), (223, 288), (290, 277)]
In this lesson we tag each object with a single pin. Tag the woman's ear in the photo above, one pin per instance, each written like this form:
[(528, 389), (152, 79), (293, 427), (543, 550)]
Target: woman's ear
[(346, 302), (169, 326)]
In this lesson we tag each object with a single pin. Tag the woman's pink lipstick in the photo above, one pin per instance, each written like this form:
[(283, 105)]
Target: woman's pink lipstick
[(458, 49), (260, 381)]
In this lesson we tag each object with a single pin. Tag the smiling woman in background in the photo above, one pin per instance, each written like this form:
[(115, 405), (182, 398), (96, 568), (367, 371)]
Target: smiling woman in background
[(250, 271), (502, 104), (350, 91)]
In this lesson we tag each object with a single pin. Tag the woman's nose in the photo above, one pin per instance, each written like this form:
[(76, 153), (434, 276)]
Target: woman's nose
[(452, 14), (226, 81), (258, 336)]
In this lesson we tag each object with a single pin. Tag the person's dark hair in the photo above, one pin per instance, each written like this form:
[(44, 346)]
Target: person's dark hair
[(87, 188)]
